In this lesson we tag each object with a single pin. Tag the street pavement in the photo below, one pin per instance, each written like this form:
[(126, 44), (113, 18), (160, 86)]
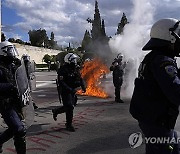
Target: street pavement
[(102, 125)]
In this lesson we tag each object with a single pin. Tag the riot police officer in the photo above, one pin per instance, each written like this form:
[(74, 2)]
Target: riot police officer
[(29, 72), (156, 95), (69, 79), (10, 107), (117, 68)]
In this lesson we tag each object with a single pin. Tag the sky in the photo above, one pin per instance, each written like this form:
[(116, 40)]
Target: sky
[(67, 18)]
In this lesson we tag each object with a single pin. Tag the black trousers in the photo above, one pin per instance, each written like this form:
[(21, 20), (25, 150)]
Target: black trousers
[(154, 131), (117, 92), (15, 130), (68, 100)]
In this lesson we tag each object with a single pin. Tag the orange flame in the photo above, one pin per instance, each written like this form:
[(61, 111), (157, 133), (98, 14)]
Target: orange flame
[(92, 72)]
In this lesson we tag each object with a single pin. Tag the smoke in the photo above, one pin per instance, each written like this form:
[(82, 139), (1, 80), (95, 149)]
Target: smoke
[(130, 44)]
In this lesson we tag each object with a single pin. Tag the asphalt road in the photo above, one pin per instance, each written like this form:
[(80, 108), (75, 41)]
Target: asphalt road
[(102, 126)]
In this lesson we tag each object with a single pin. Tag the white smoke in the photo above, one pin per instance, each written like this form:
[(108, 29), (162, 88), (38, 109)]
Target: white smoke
[(130, 44)]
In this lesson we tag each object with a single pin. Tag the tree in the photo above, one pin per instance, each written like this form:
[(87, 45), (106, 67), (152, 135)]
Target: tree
[(3, 37), (38, 37), (97, 42), (19, 41), (60, 57), (52, 36), (103, 29), (12, 40), (47, 58), (96, 24), (122, 23), (52, 42), (86, 42)]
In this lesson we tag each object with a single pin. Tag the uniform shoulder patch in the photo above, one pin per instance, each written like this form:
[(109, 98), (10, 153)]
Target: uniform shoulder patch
[(171, 70)]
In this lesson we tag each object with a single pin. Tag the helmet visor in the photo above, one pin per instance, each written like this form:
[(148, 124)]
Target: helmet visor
[(10, 51), (177, 31)]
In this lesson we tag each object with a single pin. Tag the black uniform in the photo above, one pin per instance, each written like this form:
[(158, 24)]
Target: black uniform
[(69, 79), (118, 72), (156, 99), (10, 107)]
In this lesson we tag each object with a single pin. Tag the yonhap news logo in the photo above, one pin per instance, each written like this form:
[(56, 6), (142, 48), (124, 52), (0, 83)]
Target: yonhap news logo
[(135, 140)]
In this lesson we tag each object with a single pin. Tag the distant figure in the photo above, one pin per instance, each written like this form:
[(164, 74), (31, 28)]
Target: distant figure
[(117, 68), (49, 65), (69, 78)]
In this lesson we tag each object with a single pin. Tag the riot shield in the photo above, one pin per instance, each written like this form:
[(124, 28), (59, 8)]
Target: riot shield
[(24, 94)]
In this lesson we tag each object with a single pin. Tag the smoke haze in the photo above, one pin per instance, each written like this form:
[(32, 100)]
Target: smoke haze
[(130, 44)]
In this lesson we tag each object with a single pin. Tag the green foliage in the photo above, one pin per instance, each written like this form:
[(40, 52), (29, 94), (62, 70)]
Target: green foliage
[(96, 32), (19, 41), (47, 58), (103, 29), (86, 42), (52, 43), (38, 38), (60, 57), (98, 41), (122, 24), (12, 40)]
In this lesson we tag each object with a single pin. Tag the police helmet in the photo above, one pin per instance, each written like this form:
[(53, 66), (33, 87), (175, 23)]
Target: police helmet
[(120, 56), (164, 33), (26, 57), (71, 58), (7, 49)]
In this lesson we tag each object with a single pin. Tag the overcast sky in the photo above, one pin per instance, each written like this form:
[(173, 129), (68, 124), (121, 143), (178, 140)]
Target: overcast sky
[(67, 18)]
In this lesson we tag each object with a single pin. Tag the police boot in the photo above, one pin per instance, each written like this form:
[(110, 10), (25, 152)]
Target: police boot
[(1, 150), (20, 143), (58, 111), (119, 100), (69, 117), (70, 127), (54, 114)]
